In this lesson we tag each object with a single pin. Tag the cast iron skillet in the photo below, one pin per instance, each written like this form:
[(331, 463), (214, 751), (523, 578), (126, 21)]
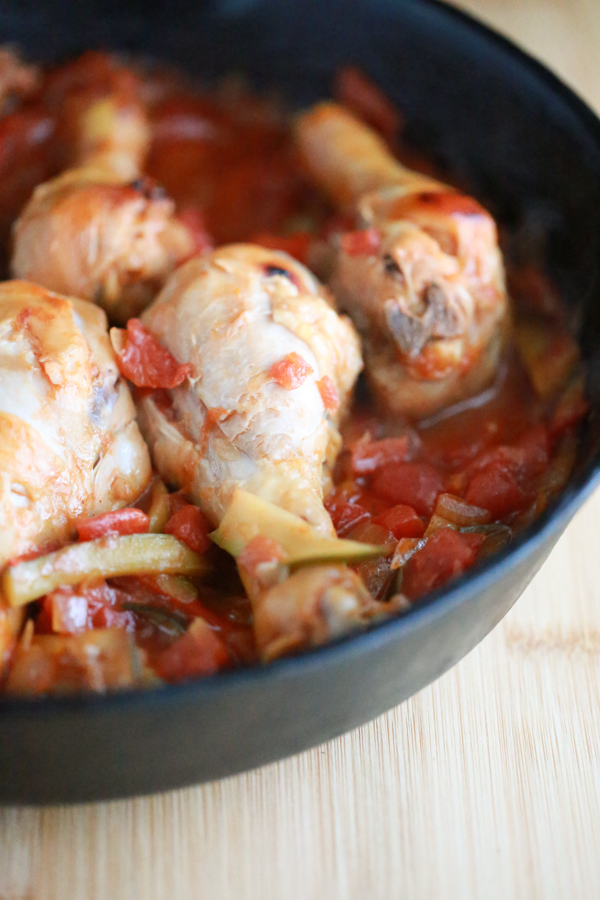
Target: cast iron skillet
[(530, 150)]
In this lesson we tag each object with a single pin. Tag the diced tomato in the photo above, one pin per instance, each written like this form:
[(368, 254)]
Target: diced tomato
[(361, 243), (328, 393), (415, 484), (258, 551), (296, 244), (146, 363), (119, 521), (193, 220), (290, 372), (190, 525), (346, 515), (73, 610), (497, 489), (370, 533), (368, 456), (402, 521), (362, 96), (200, 651), (503, 479), (446, 554)]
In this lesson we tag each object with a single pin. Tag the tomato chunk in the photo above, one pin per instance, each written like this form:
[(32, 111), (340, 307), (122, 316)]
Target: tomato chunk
[(446, 554), (328, 393), (361, 243), (497, 489), (414, 484), (146, 363), (297, 244), (503, 479), (290, 372), (368, 456), (346, 515), (200, 651), (402, 521), (191, 526), (258, 551), (119, 521), (73, 610)]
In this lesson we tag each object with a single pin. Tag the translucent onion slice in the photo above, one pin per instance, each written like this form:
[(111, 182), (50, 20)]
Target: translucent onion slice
[(159, 506), (458, 512), (108, 557)]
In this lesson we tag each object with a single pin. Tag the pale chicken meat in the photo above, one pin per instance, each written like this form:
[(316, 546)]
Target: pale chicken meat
[(101, 231), (249, 320), (422, 276), (272, 369), (69, 442), (313, 606)]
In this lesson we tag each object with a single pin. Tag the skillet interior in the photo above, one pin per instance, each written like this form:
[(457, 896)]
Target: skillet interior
[(530, 151)]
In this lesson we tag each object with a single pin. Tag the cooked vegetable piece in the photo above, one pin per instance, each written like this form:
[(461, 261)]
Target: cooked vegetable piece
[(145, 362), (402, 521), (74, 609), (405, 548), (177, 587), (290, 372), (413, 484), (119, 521), (249, 516), (159, 511), (102, 558), (372, 533), (446, 554), (460, 513), (171, 620), (200, 651), (368, 456), (190, 525), (346, 515)]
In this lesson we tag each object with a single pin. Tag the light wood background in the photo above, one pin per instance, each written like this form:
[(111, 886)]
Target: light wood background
[(484, 785)]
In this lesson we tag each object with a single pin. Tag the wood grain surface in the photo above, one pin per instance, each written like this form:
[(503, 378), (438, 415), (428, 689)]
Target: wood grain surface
[(484, 785)]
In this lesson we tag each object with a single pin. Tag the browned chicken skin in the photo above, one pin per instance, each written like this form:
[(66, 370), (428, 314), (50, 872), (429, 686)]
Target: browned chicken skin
[(101, 231), (235, 316), (69, 443), (424, 283)]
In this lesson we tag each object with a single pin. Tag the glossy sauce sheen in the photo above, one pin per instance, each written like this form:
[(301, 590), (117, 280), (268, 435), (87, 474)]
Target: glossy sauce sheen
[(229, 164)]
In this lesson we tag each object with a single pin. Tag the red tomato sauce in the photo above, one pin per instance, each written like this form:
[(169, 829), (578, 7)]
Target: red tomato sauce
[(438, 496)]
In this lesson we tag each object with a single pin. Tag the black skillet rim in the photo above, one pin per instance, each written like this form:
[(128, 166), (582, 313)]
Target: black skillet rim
[(463, 589)]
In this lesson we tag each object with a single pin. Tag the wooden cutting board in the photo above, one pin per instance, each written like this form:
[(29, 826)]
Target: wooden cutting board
[(484, 785)]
